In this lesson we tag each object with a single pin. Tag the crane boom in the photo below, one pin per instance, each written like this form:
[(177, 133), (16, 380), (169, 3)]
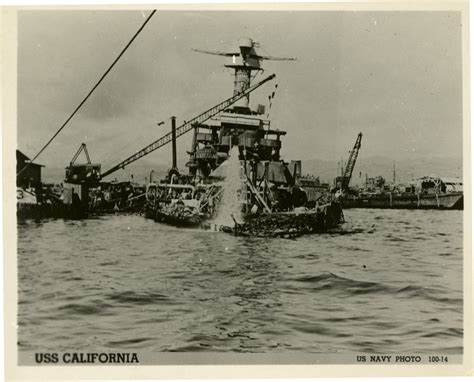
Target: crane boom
[(83, 147), (351, 163), (185, 127)]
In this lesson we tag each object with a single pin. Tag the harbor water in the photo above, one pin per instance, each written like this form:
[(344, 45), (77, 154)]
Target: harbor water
[(388, 281)]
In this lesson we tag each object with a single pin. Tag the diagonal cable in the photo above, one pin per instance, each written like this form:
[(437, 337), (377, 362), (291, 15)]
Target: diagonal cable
[(90, 92)]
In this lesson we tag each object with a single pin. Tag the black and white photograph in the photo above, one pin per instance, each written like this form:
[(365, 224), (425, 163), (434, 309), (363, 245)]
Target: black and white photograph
[(211, 186)]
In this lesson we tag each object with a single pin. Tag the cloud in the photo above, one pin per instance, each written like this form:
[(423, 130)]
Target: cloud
[(356, 71)]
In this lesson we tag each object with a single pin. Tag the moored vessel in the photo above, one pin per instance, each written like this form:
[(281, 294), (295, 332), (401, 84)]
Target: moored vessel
[(424, 193)]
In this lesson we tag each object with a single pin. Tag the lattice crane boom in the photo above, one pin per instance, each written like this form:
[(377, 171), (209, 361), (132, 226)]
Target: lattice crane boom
[(351, 163), (186, 127), (82, 148)]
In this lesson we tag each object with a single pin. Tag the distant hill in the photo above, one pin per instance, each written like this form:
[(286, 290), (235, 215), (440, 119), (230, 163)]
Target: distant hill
[(372, 166), (326, 170)]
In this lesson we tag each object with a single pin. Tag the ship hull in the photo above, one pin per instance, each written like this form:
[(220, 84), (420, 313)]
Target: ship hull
[(174, 217), (451, 201), (276, 224), (178, 221)]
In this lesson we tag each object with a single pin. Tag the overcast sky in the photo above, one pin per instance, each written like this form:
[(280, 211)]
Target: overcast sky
[(394, 76)]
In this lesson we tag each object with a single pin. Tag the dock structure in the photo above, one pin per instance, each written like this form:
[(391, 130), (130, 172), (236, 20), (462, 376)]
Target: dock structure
[(32, 171)]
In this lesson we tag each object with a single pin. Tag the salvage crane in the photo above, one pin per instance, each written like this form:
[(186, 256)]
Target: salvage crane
[(80, 173), (82, 176), (187, 126), (342, 182)]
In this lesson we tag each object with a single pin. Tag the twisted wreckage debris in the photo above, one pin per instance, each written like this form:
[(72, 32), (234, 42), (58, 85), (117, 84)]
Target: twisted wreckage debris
[(235, 169), (289, 224)]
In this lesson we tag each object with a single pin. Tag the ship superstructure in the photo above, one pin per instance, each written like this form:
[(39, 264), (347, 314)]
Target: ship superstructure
[(239, 125), (268, 186)]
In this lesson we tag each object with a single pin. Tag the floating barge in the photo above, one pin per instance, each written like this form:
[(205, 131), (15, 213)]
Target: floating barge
[(451, 201), (425, 193)]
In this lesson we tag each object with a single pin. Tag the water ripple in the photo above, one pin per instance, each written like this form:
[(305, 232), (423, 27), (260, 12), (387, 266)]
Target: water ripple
[(386, 281)]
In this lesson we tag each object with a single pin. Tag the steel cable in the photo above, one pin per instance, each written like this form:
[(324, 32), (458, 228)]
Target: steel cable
[(90, 92)]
